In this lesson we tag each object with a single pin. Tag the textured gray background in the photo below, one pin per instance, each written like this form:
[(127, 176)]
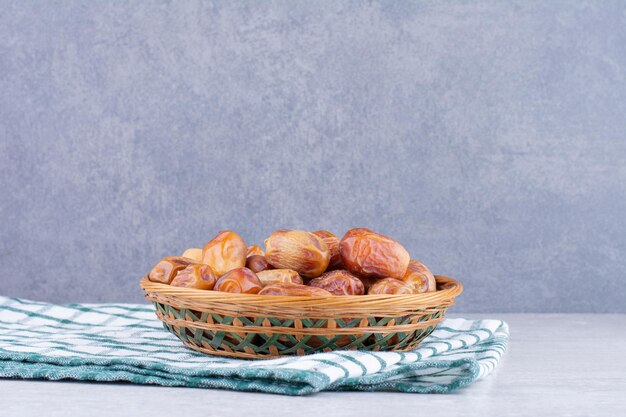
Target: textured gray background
[(488, 137)]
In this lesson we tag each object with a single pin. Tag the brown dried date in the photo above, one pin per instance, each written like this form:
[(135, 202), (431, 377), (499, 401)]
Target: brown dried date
[(167, 268), (419, 277), (301, 251), (255, 250), (332, 242), (225, 252), (370, 254), (197, 276), (294, 290), (257, 263), (279, 276), (339, 282), (391, 286), (240, 280)]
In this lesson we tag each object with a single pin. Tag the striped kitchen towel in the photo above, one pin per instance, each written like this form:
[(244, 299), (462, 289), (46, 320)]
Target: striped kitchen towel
[(121, 342)]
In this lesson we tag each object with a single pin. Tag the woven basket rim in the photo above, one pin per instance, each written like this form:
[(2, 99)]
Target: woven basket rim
[(447, 289)]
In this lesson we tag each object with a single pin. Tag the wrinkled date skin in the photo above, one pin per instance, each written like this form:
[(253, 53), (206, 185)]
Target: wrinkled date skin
[(257, 263), (304, 252), (197, 276), (279, 276), (255, 250), (167, 268), (419, 277), (391, 286), (339, 282), (240, 280), (332, 242), (294, 290), (225, 252), (370, 254), (193, 253)]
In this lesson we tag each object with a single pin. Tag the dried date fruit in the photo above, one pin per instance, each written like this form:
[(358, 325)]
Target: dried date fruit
[(339, 282), (279, 276), (193, 253), (257, 263), (419, 277), (370, 254), (255, 250), (197, 276), (167, 268), (294, 290), (391, 286), (332, 242), (301, 251), (239, 280), (225, 252)]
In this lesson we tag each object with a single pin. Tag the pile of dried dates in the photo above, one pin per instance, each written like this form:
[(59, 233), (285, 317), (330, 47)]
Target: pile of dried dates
[(298, 263)]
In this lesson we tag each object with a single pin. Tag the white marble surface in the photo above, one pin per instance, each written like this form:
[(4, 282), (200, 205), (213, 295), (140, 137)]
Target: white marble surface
[(557, 365)]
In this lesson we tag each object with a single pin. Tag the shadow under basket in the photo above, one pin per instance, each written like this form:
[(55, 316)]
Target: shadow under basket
[(266, 326)]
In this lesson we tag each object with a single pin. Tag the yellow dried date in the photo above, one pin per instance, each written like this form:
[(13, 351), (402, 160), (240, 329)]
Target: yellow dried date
[(239, 280), (332, 242), (225, 252), (255, 250), (391, 286), (193, 253), (197, 276), (304, 252), (279, 276), (167, 268), (419, 277)]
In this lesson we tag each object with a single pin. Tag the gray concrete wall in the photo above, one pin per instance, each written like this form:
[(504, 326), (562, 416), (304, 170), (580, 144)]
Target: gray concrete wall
[(489, 137)]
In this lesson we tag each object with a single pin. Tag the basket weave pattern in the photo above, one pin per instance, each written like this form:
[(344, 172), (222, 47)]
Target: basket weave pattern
[(256, 326)]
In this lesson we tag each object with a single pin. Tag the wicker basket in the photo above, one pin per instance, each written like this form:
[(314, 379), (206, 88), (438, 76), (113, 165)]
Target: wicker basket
[(258, 326)]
